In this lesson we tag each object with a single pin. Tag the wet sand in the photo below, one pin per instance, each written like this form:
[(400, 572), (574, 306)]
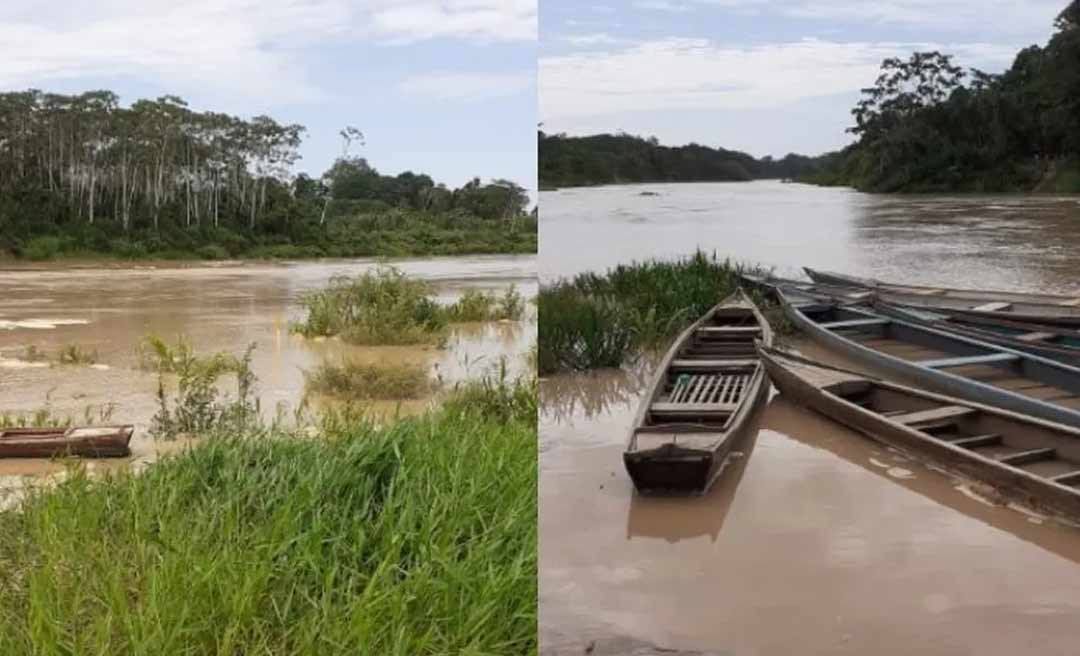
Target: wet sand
[(218, 308)]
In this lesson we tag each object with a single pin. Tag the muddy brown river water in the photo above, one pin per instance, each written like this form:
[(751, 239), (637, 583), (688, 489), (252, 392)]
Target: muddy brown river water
[(816, 540), (218, 308)]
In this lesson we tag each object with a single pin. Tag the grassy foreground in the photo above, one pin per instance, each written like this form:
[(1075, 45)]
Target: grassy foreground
[(599, 321), (414, 538)]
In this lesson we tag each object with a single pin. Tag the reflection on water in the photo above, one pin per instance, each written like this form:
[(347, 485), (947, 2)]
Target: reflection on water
[(220, 308), (987, 241), (823, 541)]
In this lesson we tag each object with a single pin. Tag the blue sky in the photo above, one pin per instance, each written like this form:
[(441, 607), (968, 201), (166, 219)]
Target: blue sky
[(763, 76), (445, 87)]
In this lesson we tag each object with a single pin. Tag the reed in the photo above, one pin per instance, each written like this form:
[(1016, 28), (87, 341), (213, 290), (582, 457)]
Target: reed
[(417, 537), (73, 354), (352, 380), (606, 320), (476, 305)]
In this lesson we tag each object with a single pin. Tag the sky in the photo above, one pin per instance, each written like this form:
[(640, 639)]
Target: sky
[(443, 87), (767, 77)]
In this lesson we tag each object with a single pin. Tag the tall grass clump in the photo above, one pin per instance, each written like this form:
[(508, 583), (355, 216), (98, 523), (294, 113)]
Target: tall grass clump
[(603, 320), (353, 380), (197, 406), (475, 305), (417, 537), (383, 306), (73, 354)]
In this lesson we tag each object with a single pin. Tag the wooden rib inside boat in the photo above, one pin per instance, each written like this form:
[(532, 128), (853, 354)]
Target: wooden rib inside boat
[(945, 362), (86, 442), (1034, 460), (703, 394)]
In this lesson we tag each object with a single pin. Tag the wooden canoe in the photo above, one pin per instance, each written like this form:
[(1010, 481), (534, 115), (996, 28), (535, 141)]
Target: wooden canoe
[(699, 401), (1043, 313), (1035, 461), (981, 296), (1046, 341), (944, 362), (87, 442)]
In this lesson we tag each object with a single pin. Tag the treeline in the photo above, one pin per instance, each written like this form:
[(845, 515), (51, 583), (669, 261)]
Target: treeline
[(929, 125), (81, 174), (621, 158)]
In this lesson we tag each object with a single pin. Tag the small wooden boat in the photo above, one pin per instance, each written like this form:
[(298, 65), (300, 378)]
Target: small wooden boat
[(1048, 314), (700, 400), (1046, 341), (1030, 459), (982, 296), (945, 362), (87, 442)]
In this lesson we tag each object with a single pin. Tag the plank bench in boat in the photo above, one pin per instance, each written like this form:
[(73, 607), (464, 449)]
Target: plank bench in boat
[(699, 401), (1028, 459)]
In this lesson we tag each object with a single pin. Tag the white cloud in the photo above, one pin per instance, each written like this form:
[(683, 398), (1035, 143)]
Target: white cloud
[(675, 73), (238, 48), (660, 5), (467, 87), (595, 39)]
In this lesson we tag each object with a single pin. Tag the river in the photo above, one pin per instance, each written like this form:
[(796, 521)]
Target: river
[(221, 307), (817, 540)]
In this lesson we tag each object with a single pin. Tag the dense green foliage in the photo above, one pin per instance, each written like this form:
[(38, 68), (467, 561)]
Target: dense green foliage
[(928, 125), (414, 538), (619, 159), (356, 380), (596, 321), (82, 175)]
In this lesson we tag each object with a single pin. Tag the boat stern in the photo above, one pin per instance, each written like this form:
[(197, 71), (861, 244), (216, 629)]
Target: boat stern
[(671, 470)]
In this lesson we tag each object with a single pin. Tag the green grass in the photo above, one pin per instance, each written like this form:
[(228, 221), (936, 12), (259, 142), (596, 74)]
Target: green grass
[(605, 320), (414, 538), (475, 305), (383, 306), (352, 380)]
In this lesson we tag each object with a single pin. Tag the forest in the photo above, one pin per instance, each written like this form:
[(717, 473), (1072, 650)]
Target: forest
[(929, 125), (621, 158), (83, 176)]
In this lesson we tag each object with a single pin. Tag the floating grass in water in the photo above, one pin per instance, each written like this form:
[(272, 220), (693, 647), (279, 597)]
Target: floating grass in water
[(413, 538), (601, 321), (73, 354), (352, 380), (379, 307), (476, 305)]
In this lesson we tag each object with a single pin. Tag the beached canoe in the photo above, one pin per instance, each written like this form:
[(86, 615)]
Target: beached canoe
[(699, 401), (1056, 315), (976, 295), (944, 362), (87, 442), (1047, 341), (1035, 461)]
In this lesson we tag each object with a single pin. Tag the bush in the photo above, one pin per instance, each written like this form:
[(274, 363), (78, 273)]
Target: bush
[(43, 248), (353, 380), (213, 252)]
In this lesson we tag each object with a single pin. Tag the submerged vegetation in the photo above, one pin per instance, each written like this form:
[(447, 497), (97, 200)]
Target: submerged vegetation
[(84, 176), (929, 125), (596, 321), (379, 382), (417, 537), (384, 306)]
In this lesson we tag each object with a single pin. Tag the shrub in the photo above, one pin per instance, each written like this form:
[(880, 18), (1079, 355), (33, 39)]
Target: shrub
[(353, 380)]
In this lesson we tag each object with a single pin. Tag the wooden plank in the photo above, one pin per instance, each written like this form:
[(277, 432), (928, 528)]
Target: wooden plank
[(697, 365), (1074, 302), (968, 360), (1026, 457), (1068, 478), (977, 441), (855, 323), (1035, 337), (693, 408), (731, 330), (951, 412), (992, 307)]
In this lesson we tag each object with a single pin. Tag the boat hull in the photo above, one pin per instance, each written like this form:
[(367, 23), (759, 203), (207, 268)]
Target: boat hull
[(92, 442)]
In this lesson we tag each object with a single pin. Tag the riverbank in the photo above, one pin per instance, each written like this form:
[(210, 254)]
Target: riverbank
[(417, 536)]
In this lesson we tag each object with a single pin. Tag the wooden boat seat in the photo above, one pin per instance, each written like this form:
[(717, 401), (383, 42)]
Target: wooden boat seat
[(929, 292), (855, 323), (712, 365), (947, 412), (948, 363), (1029, 456), (693, 409), (976, 441), (993, 307), (730, 330), (1068, 478), (1035, 337), (1074, 302)]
